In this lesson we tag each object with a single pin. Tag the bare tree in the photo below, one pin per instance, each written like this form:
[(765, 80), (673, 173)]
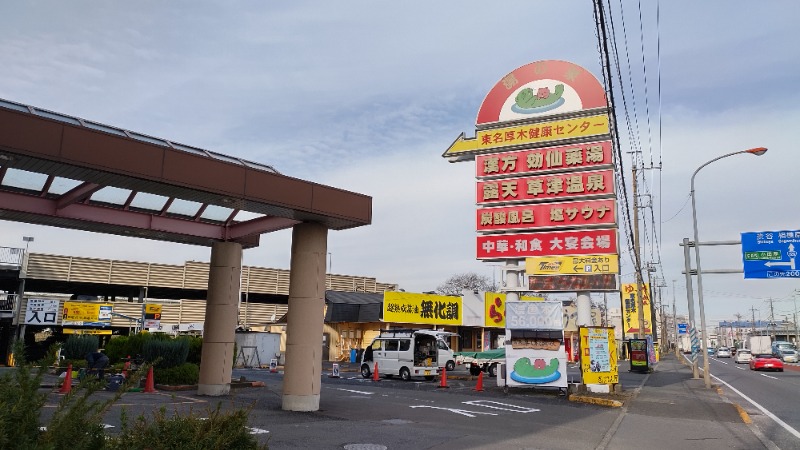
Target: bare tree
[(470, 281)]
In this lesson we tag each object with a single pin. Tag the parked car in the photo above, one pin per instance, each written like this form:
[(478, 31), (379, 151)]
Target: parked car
[(723, 352), (743, 355), (789, 356), (766, 362)]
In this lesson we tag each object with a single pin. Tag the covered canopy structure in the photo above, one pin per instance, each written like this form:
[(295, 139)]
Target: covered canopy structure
[(67, 172)]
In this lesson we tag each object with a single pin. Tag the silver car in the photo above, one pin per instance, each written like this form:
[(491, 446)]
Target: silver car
[(789, 356), (742, 356), (723, 352)]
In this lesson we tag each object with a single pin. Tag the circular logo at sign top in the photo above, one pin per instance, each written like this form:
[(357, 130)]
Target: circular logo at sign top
[(541, 88)]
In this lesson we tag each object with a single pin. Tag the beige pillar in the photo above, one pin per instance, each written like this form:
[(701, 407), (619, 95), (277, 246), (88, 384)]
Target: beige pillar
[(303, 366), (219, 330)]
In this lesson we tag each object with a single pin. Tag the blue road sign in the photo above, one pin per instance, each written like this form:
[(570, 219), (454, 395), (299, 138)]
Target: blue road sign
[(771, 254), (683, 328)]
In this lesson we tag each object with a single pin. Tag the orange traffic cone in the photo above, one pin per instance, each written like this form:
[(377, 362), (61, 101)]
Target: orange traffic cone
[(375, 376), (443, 379), (149, 384), (479, 384), (66, 386)]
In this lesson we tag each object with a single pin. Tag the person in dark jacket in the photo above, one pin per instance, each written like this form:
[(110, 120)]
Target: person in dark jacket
[(97, 361)]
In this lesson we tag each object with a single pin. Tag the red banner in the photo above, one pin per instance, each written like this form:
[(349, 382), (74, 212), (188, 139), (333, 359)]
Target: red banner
[(544, 160), (551, 243), (546, 187), (547, 215)]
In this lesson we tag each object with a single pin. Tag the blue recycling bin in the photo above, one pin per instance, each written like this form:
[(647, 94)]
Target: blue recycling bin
[(353, 355)]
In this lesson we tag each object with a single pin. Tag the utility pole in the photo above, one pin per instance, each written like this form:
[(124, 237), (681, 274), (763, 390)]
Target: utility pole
[(675, 320), (796, 336), (738, 334), (753, 323), (771, 320), (640, 334)]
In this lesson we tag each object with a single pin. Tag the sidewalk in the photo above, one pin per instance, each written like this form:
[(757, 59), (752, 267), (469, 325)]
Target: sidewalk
[(669, 409)]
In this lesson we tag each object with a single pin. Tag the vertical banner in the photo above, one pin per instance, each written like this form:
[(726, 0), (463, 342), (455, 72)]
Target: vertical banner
[(598, 356), (630, 316)]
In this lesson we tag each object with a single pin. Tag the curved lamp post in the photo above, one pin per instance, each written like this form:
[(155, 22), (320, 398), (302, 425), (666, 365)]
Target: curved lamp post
[(758, 151)]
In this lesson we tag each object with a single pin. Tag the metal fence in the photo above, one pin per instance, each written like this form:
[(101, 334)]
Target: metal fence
[(11, 256), (7, 302)]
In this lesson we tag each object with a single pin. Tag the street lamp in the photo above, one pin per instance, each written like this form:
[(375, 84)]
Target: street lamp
[(28, 240), (758, 151)]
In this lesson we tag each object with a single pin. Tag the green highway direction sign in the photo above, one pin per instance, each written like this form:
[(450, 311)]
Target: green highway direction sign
[(771, 254)]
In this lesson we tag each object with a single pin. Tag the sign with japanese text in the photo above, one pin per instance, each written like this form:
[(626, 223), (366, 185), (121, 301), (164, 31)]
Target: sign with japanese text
[(152, 315), (598, 356), (553, 131), (534, 316), (40, 311), (86, 314), (546, 187), (592, 155), (771, 254), (572, 265), (548, 243), (582, 213), (556, 283), (404, 307), (639, 358), (684, 327), (495, 308), (630, 316)]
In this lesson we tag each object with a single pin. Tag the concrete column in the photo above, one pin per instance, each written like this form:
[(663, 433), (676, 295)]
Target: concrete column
[(219, 330), (512, 280), (305, 318), (584, 304)]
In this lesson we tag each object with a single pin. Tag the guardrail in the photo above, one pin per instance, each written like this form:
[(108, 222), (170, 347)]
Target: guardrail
[(7, 302), (10, 256)]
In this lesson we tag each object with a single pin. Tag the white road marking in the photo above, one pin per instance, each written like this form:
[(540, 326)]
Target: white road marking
[(463, 412), (762, 409), (768, 376), (355, 392), (503, 407), (257, 430), (740, 368)]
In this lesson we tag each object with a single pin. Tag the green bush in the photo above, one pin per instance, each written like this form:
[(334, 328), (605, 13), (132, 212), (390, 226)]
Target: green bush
[(195, 349), (166, 353), (185, 374), (77, 346), (116, 349), (220, 430)]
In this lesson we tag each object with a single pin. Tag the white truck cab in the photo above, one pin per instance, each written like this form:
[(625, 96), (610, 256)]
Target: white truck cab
[(406, 353)]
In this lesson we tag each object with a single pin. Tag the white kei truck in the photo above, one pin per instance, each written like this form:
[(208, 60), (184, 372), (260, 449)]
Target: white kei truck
[(406, 353)]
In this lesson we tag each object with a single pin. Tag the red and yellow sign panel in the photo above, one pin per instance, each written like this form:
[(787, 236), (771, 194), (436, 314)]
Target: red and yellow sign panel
[(630, 316), (495, 308), (581, 91), (486, 141), (547, 215), (551, 243), (544, 160), (572, 265), (546, 187), (406, 307)]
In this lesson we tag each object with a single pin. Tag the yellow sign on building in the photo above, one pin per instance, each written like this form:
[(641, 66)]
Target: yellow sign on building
[(494, 304), (572, 265), (405, 307), (598, 356)]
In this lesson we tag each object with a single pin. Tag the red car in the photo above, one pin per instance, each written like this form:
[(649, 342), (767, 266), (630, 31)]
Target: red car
[(766, 362)]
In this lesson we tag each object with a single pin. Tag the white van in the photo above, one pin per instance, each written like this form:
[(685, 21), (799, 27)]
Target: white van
[(406, 353)]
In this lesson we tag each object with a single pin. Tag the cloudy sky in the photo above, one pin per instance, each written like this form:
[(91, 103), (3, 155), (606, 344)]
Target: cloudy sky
[(367, 95)]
